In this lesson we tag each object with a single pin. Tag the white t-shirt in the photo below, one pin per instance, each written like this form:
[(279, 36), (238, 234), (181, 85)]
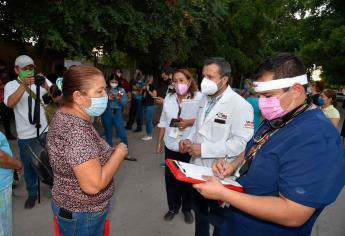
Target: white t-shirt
[(25, 130)]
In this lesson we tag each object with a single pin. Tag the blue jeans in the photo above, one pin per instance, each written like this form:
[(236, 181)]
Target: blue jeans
[(135, 113), (114, 118), (30, 175), (6, 211), (82, 223), (149, 111)]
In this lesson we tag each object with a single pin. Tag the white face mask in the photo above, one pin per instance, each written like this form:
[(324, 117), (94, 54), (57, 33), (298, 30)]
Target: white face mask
[(113, 85), (209, 87)]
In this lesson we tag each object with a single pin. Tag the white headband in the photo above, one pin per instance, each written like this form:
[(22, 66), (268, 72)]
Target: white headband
[(279, 83)]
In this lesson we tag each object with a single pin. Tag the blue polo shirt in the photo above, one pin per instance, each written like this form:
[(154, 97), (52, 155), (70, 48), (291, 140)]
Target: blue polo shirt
[(304, 161), (6, 175)]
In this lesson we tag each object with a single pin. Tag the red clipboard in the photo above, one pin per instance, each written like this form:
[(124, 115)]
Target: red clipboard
[(179, 175)]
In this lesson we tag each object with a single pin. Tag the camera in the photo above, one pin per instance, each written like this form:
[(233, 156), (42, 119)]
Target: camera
[(39, 79), (54, 92)]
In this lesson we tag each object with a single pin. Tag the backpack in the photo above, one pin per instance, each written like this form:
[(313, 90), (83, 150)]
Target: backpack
[(39, 159)]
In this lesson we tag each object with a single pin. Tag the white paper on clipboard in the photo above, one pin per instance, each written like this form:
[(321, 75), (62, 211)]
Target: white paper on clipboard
[(196, 172), (189, 109)]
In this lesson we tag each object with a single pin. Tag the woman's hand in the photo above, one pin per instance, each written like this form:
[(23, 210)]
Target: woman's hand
[(211, 189), (119, 97), (159, 148), (182, 124), (111, 97), (18, 166), (122, 149), (159, 100)]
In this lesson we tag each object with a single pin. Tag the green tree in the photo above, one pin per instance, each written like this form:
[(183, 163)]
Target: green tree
[(151, 32), (325, 40)]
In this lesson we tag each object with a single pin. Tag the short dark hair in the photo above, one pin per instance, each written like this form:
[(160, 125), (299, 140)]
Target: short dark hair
[(282, 65), (168, 70), (224, 65)]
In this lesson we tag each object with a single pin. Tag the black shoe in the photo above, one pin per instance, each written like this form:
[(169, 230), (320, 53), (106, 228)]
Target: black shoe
[(169, 215), (30, 202), (128, 128), (137, 130), (188, 217), (130, 158)]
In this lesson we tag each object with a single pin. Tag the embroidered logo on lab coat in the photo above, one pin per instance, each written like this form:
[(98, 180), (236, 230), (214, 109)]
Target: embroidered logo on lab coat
[(248, 124), (222, 116)]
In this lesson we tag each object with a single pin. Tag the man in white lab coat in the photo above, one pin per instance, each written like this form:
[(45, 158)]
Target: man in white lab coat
[(223, 127)]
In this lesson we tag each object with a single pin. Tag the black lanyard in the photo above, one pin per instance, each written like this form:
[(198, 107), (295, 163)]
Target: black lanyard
[(180, 105)]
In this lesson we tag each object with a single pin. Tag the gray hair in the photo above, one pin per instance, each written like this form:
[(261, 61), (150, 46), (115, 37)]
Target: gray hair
[(224, 65)]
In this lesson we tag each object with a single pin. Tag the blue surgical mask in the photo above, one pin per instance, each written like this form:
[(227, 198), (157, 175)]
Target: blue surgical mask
[(321, 101), (98, 106)]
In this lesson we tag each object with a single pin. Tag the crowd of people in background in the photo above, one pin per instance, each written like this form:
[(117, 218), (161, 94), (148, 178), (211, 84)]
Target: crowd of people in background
[(215, 127)]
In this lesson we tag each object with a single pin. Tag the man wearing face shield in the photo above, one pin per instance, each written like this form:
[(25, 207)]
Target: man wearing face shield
[(223, 127), (293, 167)]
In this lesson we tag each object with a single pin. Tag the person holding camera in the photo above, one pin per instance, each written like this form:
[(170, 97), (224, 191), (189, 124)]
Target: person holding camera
[(17, 96)]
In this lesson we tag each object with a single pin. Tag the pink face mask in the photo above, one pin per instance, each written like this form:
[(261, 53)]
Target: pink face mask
[(181, 89), (270, 108)]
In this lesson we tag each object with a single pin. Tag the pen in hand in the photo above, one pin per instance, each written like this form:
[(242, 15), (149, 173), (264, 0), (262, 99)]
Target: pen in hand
[(224, 167)]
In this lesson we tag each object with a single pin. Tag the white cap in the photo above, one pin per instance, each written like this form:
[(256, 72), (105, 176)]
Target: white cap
[(23, 61)]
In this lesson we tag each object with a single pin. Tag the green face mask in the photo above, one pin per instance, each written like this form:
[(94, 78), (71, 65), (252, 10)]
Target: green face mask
[(25, 73)]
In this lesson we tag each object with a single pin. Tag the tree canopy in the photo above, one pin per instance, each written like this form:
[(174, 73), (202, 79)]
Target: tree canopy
[(154, 33)]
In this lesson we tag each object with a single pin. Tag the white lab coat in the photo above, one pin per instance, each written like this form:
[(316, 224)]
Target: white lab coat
[(170, 111), (226, 129)]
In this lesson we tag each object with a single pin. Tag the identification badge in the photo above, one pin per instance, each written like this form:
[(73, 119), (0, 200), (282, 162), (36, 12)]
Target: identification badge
[(174, 132)]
